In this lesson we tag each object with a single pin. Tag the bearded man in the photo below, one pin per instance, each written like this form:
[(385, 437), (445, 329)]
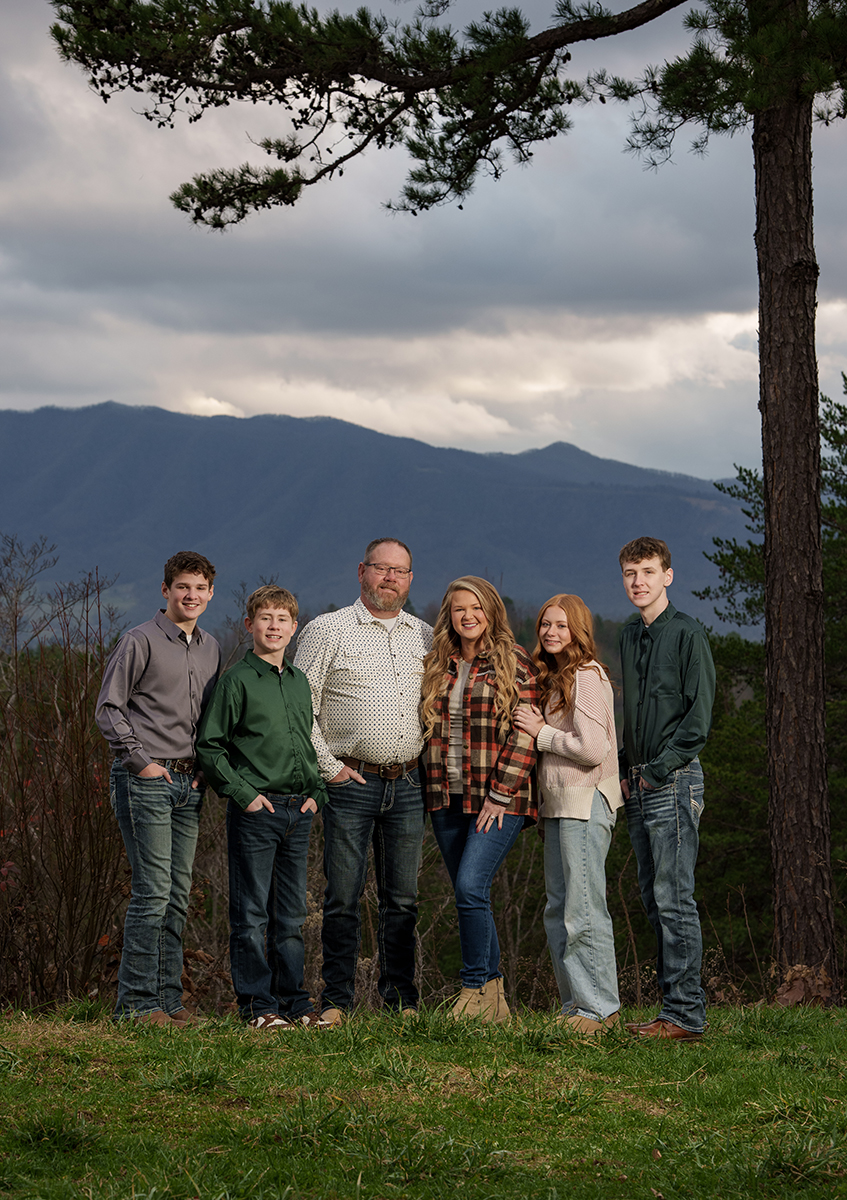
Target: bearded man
[(364, 664)]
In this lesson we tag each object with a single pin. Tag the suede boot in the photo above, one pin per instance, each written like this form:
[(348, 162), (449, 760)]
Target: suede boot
[(468, 1002), (494, 1007), (586, 1026)]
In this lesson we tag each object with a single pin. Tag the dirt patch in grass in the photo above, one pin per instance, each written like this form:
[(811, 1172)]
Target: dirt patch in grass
[(640, 1103)]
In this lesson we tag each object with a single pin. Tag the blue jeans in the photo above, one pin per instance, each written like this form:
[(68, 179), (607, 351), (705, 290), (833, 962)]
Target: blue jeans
[(472, 860), (663, 828), (579, 928), (390, 814), (159, 822), (268, 861)]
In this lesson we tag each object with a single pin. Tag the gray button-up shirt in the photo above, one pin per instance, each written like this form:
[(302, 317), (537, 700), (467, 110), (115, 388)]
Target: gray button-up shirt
[(155, 687)]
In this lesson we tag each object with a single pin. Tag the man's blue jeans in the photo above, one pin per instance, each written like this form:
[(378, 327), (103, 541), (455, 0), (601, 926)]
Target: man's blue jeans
[(579, 928), (390, 814), (159, 822), (268, 862), (663, 827), (472, 860)]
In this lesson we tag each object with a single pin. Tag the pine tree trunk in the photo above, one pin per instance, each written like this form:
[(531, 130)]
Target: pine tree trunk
[(798, 815)]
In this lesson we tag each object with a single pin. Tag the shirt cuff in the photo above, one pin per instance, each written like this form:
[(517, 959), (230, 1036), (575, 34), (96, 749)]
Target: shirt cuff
[(654, 777), (136, 762), (329, 768)]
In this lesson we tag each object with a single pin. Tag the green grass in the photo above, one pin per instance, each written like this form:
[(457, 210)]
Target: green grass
[(382, 1109)]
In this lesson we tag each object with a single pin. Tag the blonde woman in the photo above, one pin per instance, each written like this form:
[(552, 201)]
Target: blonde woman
[(478, 766), (574, 730)]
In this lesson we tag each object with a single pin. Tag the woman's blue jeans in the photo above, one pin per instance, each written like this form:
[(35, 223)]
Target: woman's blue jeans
[(268, 861), (579, 928), (159, 822), (664, 828), (472, 860)]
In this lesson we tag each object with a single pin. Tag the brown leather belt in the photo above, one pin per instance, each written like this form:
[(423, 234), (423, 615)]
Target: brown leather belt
[(383, 770), (183, 766)]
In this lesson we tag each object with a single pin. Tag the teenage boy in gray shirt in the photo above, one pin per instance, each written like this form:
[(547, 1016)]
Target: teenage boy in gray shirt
[(155, 686), (668, 692)]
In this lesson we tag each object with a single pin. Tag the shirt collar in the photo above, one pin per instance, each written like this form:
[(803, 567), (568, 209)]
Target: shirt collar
[(655, 627), (264, 668), (365, 617), (456, 658), (173, 631)]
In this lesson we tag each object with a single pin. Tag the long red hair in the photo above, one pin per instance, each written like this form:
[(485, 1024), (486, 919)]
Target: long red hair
[(555, 679)]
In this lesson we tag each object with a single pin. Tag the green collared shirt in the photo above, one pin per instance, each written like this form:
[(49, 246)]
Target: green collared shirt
[(668, 693), (256, 734)]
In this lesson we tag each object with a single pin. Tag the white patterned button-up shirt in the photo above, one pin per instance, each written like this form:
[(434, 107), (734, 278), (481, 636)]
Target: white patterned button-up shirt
[(366, 686)]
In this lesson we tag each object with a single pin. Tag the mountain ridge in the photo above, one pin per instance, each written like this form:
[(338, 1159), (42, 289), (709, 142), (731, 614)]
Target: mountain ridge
[(121, 488)]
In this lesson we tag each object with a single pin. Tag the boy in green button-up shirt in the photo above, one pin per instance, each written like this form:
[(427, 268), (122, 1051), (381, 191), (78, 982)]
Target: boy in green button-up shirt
[(255, 748), (668, 692)]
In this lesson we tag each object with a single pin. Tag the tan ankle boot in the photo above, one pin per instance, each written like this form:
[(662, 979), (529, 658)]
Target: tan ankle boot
[(467, 1003), (586, 1026), (494, 1007)]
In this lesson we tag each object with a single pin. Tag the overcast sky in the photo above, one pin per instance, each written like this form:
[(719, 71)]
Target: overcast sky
[(582, 299)]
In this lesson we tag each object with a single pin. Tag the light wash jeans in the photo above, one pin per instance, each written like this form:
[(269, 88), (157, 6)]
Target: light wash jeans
[(579, 928), (268, 862), (472, 860), (388, 813), (159, 822), (664, 829)]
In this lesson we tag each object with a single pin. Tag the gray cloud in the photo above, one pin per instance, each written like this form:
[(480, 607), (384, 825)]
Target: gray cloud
[(107, 292)]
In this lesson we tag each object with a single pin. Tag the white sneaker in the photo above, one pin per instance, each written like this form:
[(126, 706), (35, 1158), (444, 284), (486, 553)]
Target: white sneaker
[(313, 1020), (269, 1021)]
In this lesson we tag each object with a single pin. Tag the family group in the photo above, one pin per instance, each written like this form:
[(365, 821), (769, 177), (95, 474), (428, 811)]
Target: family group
[(380, 720)]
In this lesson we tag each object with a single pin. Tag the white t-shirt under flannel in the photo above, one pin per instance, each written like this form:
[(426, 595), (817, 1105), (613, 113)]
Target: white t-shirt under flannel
[(366, 686)]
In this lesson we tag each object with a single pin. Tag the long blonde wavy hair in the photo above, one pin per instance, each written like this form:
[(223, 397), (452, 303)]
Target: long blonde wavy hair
[(498, 643), (554, 679)]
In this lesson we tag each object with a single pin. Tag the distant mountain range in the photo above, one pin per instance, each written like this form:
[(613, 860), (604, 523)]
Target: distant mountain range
[(121, 488)]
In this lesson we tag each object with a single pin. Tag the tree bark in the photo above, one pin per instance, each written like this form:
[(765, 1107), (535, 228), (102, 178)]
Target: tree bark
[(798, 814)]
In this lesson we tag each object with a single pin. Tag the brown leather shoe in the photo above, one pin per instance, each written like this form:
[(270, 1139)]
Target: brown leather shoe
[(158, 1017), (666, 1030), (187, 1018)]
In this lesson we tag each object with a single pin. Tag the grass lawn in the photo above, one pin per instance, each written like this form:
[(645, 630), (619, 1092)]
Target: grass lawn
[(381, 1109)]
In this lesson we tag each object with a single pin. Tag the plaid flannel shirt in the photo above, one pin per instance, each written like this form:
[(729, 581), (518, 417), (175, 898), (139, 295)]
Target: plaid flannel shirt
[(491, 762)]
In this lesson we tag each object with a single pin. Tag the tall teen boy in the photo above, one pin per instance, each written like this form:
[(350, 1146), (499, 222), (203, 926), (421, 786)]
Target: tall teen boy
[(155, 686), (255, 747), (668, 692)]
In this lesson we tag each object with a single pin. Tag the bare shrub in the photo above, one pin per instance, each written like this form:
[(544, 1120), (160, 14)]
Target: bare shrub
[(61, 849)]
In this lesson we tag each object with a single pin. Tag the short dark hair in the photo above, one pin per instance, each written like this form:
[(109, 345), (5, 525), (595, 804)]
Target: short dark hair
[(190, 563), (271, 596), (646, 547), (381, 542)]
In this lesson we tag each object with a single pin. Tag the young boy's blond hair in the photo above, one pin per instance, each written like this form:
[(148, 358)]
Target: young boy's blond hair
[(271, 596)]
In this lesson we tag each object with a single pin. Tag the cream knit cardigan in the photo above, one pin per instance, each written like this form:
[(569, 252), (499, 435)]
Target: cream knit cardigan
[(580, 750)]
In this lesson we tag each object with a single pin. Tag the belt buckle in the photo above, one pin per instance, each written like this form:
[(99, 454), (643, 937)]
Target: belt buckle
[(389, 770)]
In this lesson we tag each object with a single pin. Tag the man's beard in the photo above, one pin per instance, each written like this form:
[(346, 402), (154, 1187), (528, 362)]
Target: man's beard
[(386, 604)]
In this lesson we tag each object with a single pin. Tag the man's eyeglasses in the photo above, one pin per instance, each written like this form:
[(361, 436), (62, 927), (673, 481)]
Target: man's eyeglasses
[(384, 569)]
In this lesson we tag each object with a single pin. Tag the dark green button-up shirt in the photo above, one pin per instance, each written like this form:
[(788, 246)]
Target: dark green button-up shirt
[(668, 693), (256, 734)]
